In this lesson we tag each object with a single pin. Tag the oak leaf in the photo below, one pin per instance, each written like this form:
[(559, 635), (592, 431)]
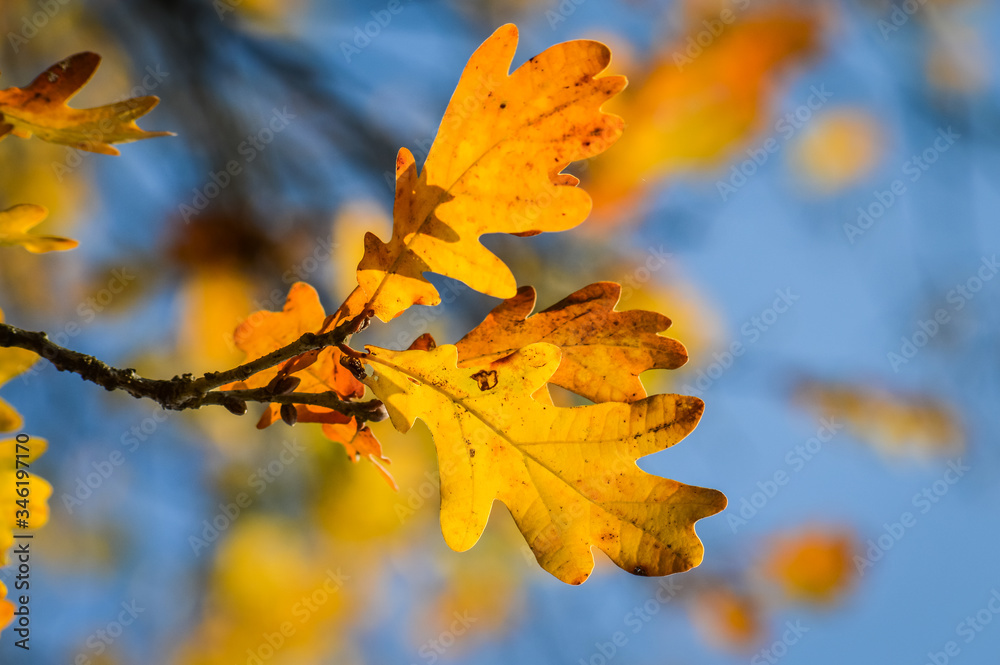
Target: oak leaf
[(603, 351), (39, 490), (568, 476), (360, 442), (319, 371), (15, 226), (41, 110), (494, 167)]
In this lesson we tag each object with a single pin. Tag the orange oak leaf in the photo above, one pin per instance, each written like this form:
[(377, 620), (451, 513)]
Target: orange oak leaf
[(360, 442), (41, 110), (568, 476), (691, 112), (6, 608), (495, 167), (813, 565), (319, 371), (423, 343), (729, 619), (603, 351)]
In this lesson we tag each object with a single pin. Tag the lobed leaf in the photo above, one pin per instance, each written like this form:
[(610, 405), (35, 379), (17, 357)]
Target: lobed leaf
[(603, 351), (568, 476), (495, 167), (41, 110)]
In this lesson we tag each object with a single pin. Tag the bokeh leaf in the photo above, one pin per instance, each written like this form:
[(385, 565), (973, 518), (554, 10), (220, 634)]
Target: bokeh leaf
[(15, 224)]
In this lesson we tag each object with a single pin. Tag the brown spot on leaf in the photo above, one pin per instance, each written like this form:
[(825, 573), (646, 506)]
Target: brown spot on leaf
[(487, 379), (639, 570)]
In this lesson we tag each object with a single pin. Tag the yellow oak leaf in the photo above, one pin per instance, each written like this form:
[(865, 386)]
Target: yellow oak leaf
[(41, 110), (12, 363), (494, 167), (15, 224), (898, 425), (38, 491), (603, 351), (213, 300), (568, 476), (269, 573)]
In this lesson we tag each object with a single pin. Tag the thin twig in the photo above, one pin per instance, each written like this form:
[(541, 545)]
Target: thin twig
[(187, 392)]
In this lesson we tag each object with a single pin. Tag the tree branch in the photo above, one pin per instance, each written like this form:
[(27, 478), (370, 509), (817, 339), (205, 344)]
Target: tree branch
[(186, 392)]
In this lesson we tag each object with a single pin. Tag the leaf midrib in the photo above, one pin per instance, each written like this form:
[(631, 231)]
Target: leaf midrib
[(524, 454)]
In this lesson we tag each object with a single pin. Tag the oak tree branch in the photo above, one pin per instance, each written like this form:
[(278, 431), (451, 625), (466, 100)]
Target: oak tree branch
[(186, 391)]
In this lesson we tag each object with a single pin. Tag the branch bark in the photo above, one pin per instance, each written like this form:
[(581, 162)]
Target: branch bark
[(186, 391)]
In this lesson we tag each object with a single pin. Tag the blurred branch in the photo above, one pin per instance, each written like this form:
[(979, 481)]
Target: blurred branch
[(186, 392), (220, 71)]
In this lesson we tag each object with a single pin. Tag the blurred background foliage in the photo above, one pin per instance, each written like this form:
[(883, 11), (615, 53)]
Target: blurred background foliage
[(751, 200)]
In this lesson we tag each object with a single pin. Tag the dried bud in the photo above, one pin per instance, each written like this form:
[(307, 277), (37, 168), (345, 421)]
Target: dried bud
[(289, 414), (354, 366), (235, 406), (282, 385)]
